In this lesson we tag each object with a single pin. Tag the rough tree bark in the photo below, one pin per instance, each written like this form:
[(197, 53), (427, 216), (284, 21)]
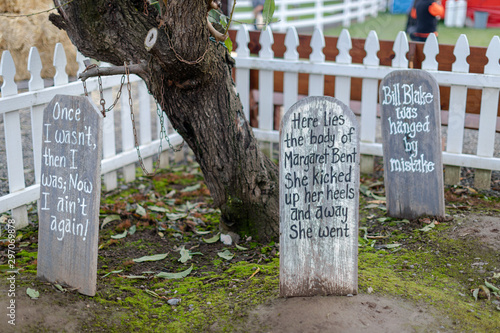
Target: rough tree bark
[(190, 76)]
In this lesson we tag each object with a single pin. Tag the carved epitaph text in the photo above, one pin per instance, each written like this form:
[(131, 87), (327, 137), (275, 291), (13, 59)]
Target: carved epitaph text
[(411, 132), (319, 186), (70, 187)]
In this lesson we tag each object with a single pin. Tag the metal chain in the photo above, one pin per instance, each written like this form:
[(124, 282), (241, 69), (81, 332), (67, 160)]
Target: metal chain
[(163, 132), (136, 141)]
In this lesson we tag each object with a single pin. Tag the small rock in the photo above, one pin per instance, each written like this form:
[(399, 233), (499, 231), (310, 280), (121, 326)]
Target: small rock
[(370, 290), (226, 239), (174, 301), (350, 295)]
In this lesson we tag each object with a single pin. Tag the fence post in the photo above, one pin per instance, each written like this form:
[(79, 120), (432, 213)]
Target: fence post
[(36, 83), (488, 115), (266, 85), (13, 139), (458, 103), (290, 80), (319, 15), (343, 83), (243, 74), (145, 120), (317, 81), (127, 132), (369, 98), (347, 14)]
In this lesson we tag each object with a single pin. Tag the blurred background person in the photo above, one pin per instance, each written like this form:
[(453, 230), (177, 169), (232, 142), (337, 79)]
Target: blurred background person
[(426, 14)]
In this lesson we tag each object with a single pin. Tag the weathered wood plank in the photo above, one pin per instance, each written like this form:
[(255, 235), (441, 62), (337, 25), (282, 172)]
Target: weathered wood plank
[(411, 132), (70, 193), (319, 199)]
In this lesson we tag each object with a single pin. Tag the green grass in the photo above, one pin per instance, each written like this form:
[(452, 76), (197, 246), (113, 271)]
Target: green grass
[(388, 26)]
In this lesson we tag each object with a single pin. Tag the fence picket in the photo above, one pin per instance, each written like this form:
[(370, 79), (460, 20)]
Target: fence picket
[(458, 103), (36, 83), (400, 49), (343, 83), (13, 139), (266, 82), (431, 50), (290, 79), (145, 120), (317, 81), (243, 74), (369, 98), (127, 132), (488, 115), (60, 62), (109, 142)]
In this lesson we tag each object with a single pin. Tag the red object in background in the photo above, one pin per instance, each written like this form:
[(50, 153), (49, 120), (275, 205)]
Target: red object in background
[(490, 6)]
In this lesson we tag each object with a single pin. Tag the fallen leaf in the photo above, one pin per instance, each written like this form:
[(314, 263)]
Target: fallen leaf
[(112, 272), (60, 288), (392, 246), (212, 239), (226, 254), (119, 236), (475, 292), (185, 255), (158, 209), (240, 247), (32, 293), (175, 216), (201, 232), (191, 188), (179, 275), (155, 257), (132, 230), (110, 218), (428, 227), (132, 276), (490, 286), (140, 211)]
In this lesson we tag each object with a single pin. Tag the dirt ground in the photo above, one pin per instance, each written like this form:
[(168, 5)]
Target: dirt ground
[(372, 310), (360, 313)]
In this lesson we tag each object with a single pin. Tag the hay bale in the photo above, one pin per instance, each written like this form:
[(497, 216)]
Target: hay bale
[(19, 34)]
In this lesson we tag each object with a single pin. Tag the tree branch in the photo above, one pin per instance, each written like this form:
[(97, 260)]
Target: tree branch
[(139, 69)]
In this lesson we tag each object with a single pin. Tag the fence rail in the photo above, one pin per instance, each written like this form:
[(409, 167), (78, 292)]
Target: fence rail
[(122, 155), (13, 103), (312, 13), (459, 80)]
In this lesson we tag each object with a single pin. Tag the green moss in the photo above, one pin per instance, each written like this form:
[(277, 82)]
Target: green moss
[(216, 302), (440, 273)]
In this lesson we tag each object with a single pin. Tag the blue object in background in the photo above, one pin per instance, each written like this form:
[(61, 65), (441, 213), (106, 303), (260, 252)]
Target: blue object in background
[(400, 6)]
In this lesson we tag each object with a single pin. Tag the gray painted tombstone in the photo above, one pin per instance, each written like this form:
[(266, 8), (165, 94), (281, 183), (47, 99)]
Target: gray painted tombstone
[(70, 190), (411, 132), (319, 199)]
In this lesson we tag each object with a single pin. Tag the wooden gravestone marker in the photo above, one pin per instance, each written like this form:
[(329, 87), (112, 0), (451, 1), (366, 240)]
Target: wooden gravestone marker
[(319, 199), (70, 191), (411, 132)]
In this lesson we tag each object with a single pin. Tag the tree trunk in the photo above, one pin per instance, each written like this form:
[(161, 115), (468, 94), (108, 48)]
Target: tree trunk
[(190, 76)]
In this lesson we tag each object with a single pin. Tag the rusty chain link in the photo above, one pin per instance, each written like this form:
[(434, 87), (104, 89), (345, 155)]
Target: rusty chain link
[(163, 132)]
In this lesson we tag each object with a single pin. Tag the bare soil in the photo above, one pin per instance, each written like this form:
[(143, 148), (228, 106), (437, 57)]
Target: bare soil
[(369, 311)]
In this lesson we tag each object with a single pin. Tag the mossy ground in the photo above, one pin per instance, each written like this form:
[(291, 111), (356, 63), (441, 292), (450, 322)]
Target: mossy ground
[(170, 210)]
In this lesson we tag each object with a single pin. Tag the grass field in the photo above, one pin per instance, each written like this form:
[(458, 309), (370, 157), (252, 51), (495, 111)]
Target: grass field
[(388, 25)]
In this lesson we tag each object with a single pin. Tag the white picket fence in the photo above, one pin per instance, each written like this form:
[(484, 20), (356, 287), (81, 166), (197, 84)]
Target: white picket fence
[(13, 103), (312, 13), (459, 79)]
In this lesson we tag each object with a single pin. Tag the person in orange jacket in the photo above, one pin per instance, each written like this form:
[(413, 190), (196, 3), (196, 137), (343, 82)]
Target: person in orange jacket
[(426, 14)]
